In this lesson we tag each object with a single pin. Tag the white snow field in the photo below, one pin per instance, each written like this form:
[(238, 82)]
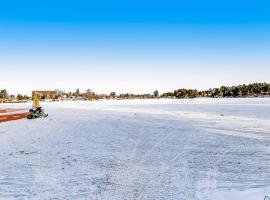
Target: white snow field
[(216, 149)]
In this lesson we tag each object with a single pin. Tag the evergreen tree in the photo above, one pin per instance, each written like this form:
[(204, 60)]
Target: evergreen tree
[(156, 94)]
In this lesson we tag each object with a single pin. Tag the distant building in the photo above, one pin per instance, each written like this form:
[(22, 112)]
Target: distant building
[(4, 100), (45, 94)]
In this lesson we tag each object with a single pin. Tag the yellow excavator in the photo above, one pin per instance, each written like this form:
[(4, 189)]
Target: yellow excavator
[(36, 111)]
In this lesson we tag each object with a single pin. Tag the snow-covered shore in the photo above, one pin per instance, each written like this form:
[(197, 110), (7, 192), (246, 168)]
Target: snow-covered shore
[(139, 149)]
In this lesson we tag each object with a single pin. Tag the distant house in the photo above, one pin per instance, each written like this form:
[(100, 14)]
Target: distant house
[(4, 100), (45, 94), (264, 93)]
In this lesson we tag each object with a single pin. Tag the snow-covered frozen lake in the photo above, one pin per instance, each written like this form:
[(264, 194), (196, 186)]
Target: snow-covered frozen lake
[(212, 149)]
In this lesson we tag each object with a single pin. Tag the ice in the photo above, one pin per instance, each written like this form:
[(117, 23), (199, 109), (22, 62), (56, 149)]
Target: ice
[(139, 149)]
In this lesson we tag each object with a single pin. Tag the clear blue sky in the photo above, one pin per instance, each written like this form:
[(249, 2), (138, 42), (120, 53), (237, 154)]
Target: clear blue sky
[(133, 46)]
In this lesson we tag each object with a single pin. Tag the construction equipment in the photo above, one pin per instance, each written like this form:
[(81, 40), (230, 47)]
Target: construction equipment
[(36, 111)]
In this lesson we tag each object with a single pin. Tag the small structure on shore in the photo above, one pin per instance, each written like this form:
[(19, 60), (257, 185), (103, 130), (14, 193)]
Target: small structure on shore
[(45, 94)]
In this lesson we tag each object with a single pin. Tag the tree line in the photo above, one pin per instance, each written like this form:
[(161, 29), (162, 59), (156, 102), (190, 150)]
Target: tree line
[(244, 90), (90, 95), (4, 95)]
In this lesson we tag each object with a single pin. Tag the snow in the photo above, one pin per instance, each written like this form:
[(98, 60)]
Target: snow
[(139, 149)]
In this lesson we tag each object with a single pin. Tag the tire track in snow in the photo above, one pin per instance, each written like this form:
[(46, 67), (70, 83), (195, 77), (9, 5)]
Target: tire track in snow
[(116, 173), (171, 161)]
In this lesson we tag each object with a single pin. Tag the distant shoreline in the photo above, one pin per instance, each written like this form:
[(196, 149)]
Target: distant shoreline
[(253, 90), (119, 99)]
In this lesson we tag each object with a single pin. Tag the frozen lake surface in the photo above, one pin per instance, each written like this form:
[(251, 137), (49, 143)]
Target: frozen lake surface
[(139, 149)]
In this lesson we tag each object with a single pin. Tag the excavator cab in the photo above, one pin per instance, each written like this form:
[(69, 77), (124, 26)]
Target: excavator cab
[(36, 111)]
